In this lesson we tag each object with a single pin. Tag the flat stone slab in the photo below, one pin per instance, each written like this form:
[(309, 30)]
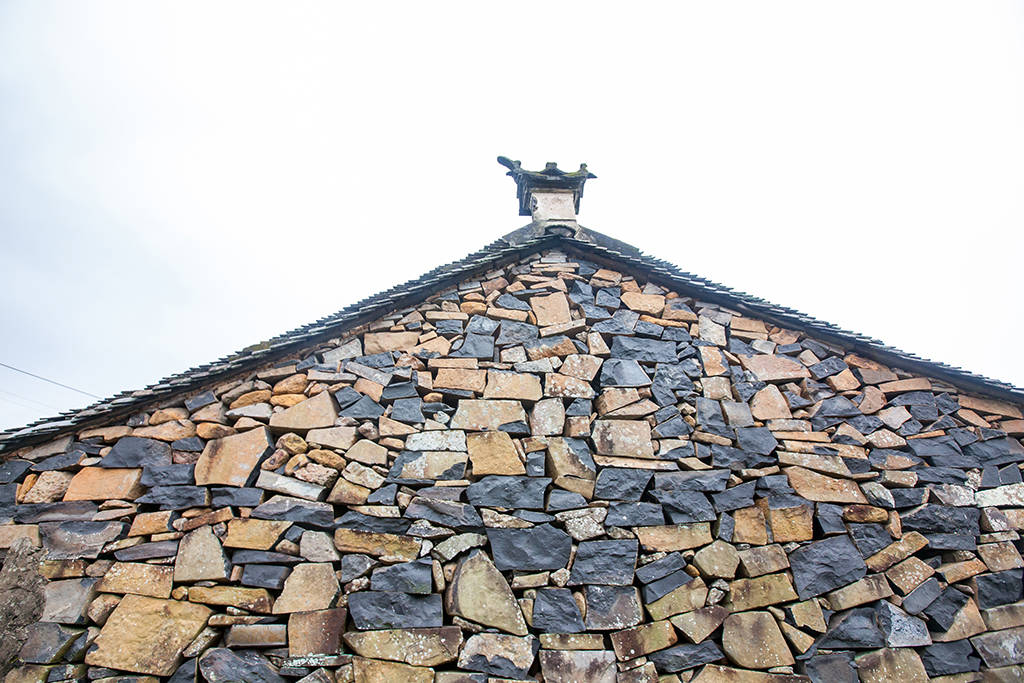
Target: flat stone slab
[(232, 459), (147, 635)]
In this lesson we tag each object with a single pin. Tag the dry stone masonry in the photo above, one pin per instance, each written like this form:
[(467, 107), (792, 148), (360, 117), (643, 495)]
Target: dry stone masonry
[(555, 472)]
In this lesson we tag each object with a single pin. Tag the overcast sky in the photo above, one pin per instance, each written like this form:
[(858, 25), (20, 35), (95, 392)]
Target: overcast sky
[(180, 180)]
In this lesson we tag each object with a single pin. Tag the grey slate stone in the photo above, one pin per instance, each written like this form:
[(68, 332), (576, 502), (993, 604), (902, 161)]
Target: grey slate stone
[(619, 483), (538, 548), (354, 565), (946, 659), (832, 668), (73, 540), (685, 507), (825, 565), (918, 599), (630, 514), (660, 568), (617, 372), (999, 588), (12, 470), (286, 508), (176, 497), (659, 588), (221, 665), (943, 519), (611, 608), (270, 576), (378, 610), (610, 563), (447, 513), (526, 493), (555, 611), (644, 350), (756, 440), (683, 657), (943, 609), (404, 577), (46, 642), (854, 629), (134, 451), (168, 475), (408, 411), (696, 480)]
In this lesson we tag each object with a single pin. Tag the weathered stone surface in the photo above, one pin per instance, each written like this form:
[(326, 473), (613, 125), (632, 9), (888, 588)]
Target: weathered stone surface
[(719, 559), (376, 342), (774, 368), (232, 459), (769, 404), (311, 586), (569, 666), (147, 635), (429, 465), (623, 437), (753, 640), (369, 453), (762, 591), (612, 608), (668, 538), (318, 412), (102, 483), (498, 654), (868, 589), (487, 415), (138, 578), (66, 601), (823, 489), (479, 592), (388, 547), (250, 599), (417, 647), (315, 633), (891, 664), (551, 309), (700, 623), (333, 437), (493, 453), (644, 639), (256, 534), (72, 539)]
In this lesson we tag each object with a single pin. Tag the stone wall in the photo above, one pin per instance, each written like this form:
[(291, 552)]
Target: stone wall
[(553, 473)]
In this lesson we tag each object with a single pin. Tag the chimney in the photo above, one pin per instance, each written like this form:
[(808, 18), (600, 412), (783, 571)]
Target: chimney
[(551, 197)]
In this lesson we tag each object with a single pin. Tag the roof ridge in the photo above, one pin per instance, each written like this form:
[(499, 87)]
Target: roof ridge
[(586, 242)]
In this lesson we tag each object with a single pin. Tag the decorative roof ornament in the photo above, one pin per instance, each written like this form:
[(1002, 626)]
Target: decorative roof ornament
[(551, 179)]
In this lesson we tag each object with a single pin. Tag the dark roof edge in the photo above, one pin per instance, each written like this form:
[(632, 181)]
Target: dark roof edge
[(498, 253), (588, 244), (666, 273)]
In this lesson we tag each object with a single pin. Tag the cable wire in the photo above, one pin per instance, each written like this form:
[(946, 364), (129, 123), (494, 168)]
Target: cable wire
[(59, 384)]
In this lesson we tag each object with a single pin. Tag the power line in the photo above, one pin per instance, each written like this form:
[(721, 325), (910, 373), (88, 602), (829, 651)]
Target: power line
[(26, 372), (30, 400)]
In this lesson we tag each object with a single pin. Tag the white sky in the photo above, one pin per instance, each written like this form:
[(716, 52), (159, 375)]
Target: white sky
[(180, 180)]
